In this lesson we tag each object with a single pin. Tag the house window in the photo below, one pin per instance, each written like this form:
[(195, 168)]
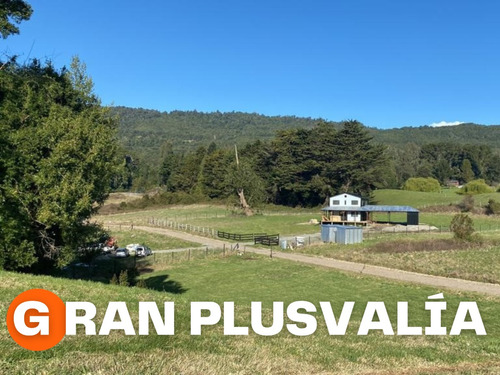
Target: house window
[(336, 203), (355, 203)]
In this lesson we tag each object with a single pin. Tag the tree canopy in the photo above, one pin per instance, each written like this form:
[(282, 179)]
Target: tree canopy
[(57, 157), (12, 12)]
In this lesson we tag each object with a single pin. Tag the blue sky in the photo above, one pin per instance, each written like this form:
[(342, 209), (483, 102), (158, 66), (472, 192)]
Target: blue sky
[(385, 63)]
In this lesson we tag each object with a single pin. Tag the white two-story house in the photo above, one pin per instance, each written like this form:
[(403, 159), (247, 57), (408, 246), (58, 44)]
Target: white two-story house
[(344, 208)]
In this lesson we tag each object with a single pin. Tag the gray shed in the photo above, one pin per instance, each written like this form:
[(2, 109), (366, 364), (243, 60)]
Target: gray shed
[(343, 234)]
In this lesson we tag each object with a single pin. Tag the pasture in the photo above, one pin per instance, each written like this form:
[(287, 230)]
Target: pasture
[(242, 280), (478, 262), (422, 200)]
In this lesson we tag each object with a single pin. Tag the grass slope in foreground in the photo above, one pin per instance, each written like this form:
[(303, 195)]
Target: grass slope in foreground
[(242, 280)]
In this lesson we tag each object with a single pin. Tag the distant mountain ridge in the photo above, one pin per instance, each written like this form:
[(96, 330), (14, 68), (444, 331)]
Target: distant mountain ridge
[(148, 129)]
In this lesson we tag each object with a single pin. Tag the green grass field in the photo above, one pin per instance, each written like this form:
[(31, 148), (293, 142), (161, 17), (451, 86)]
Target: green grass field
[(242, 280), (421, 200), (282, 220), (155, 241)]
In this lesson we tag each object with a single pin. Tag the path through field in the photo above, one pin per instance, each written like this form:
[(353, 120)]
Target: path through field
[(389, 273)]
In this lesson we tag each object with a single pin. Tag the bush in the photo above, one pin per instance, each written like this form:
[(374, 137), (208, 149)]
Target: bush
[(462, 227), (425, 184), (467, 204), (476, 187), (114, 280), (141, 284), (123, 278), (493, 207)]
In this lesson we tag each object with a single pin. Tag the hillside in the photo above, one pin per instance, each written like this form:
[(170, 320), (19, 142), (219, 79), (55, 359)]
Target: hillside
[(148, 129), (460, 134), (141, 128)]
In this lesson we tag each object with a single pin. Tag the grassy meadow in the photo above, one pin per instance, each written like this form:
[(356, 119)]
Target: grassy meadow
[(243, 279), (295, 221), (429, 253), (282, 220), (422, 200), (433, 254), (155, 241)]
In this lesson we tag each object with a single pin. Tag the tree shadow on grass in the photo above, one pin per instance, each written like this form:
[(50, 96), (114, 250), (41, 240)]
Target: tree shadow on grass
[(163, 284)]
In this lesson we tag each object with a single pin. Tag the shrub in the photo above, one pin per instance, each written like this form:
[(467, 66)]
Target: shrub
[(462, 227), (476, 187), (141, 284), (123, 278), (425, 184), (114, 280), (493, 207), (467, 204)]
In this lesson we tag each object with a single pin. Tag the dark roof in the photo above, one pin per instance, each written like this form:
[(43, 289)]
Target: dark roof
[(380, 208), (371, 208), (343, 208)]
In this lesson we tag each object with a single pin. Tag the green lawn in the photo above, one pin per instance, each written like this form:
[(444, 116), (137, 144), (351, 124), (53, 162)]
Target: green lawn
[(481, 222), (154, 240), (242, 280), (273, 219), (421, 200), (271, 224)]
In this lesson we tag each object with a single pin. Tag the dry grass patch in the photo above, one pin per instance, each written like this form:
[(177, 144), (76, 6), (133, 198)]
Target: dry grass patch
[(436, 244)]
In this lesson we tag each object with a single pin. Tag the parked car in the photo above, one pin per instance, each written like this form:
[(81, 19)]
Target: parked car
[(142, 251), (122, 253), (132, 248)]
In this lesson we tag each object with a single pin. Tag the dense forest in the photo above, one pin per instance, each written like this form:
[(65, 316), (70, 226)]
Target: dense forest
[(292, 159), (143, 129)]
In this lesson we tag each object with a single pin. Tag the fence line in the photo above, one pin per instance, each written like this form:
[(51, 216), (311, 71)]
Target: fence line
[(267, 240), (239, 237), (201, 230)]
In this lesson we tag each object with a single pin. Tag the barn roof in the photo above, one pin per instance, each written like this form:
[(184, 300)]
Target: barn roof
[(383, 208), (371, 208)]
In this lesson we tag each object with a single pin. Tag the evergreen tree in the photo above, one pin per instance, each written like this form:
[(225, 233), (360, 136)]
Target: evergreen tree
[(56, 161), (358, 162), (13, 12), (214, 174), (169, 165), (467, 172)]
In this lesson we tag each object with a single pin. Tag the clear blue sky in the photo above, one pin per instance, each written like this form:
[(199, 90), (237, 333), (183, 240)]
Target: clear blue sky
[(386, 63)]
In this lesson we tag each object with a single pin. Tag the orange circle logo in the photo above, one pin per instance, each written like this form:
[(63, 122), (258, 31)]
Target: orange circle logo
[(36, 319)]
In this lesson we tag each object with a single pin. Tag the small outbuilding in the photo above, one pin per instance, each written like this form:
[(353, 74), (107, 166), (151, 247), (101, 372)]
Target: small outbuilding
[(343, 234)]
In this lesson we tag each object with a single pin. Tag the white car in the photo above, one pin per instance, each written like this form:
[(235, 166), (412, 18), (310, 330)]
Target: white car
[(122, 253), (132, 248), (142, 251)]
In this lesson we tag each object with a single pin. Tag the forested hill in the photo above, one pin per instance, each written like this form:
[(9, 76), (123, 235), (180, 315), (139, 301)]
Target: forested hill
[(459, 134), (187, 130), (142, 129)]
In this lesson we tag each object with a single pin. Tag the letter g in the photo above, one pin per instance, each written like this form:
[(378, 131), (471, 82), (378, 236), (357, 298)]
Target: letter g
[(43, 321)]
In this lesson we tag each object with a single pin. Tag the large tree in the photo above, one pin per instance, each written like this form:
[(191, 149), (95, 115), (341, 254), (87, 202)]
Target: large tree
[(12, 12), (358, 163), (58, 154)]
